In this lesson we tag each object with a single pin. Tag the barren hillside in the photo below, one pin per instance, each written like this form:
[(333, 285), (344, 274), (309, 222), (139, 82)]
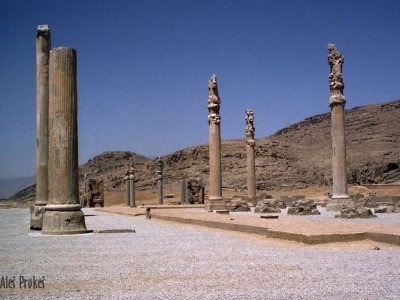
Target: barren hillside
[(296, 156)]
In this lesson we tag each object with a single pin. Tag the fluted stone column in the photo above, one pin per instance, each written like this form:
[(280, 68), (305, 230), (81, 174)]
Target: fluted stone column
[(63, 212), (337, 103), (215, 199), (132, 202), (43, 44), (160, 168), (250, 145)]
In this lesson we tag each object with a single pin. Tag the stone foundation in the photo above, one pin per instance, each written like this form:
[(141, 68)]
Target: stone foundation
[(63, 222), (37, 213), (215, 204)]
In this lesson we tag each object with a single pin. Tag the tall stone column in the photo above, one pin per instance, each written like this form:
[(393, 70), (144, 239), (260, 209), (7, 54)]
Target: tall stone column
[(63, 212), (127, 188), (216, 202), (43, 45), (251, 165), (160, 168), (131, 177), (337, 103)]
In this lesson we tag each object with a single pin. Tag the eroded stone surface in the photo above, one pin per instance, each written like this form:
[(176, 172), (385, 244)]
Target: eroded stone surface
[(238, 205), (268, 206), (351, 212), (303, 207)]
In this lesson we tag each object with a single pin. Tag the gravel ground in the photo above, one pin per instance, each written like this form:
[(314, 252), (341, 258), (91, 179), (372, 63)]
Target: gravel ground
[(164, 260)]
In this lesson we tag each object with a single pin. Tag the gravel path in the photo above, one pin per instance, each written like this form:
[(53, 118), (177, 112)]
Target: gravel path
[(165, 260)]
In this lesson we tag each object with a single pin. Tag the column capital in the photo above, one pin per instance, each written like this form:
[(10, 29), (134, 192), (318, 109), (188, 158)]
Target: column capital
[(43, 31), (214, 101), (337, 100)]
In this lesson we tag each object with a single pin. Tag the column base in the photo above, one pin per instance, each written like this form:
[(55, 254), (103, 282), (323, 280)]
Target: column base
[(215, 204), (336, 202), (57, 222), (37, 213)]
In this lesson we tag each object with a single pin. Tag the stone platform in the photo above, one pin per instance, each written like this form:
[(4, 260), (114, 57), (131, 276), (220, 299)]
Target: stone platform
[(319, 229)]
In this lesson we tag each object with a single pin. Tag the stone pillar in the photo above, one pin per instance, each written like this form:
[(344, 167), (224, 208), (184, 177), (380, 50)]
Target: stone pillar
[(250, 145), (43, 45), (63, 212), (337, 103), (216, 202), (160, 168), (132, 202), (127, 188), (183, 191)]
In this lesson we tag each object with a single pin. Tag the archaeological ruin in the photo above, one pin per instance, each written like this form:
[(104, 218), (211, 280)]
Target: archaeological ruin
[(337, 103), (160, 169), (43, 45), (63, 211), (250, 145), (216, 202), (93, 195)]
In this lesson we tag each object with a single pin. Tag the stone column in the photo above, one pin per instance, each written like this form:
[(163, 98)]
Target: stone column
[(132, 202), (216, 202), (127, 188), (250, 145), (63, 212), (337, 103), (43, 45), (160, 168), (183, 191)]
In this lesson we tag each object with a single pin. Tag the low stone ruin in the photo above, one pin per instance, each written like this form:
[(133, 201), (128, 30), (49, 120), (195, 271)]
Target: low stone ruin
[(192, 190), (268, 206), (367, 202), (238, 205), (388, 209), (303, 207), (94, 193), (352, 212)]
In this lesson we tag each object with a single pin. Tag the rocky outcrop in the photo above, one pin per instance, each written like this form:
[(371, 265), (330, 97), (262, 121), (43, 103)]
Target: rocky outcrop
[(303, 207), (268, 206), (351, 212), (238, 205)]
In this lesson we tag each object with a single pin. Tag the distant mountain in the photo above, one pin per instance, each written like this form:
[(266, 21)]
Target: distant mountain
[(9, 187), (297, 156)]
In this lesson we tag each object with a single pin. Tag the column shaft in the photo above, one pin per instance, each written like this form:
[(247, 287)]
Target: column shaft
[(251, 172), (43, 44), (215, 188), (338, 152), (63, 211)]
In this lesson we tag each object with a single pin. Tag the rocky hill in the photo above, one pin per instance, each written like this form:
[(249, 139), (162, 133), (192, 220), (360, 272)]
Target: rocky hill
[(296, 156)]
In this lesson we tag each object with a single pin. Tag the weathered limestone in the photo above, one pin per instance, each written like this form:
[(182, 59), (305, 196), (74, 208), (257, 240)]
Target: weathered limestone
[(43, 45), (131, 178), (194, 190), (183, 191), (94, 193), (238, 205), (216, 202), (63, 212), (352, 212), (268, 206), (127, 188), (337, 103), (160, 168), (303, 207), (250, 145)]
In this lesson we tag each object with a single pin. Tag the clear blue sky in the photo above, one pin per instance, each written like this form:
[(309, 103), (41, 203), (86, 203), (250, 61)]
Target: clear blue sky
[(144, 66)]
